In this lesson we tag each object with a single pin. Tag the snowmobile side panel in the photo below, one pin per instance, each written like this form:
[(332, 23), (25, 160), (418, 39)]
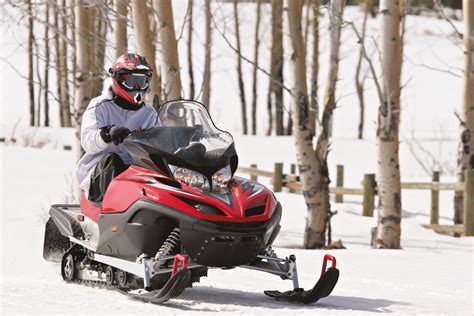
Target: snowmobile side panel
[(140, 229)]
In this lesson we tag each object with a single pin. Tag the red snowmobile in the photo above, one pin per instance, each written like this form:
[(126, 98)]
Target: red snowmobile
[(173, 214)]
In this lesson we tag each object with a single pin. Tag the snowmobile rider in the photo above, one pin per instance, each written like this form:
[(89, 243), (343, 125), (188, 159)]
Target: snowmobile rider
[(109, 118)]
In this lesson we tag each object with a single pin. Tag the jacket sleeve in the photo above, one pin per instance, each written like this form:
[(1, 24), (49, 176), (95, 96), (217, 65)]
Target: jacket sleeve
[(90, 131)]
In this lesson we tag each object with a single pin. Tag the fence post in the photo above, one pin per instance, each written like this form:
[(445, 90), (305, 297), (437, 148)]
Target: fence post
[(293, 168), (277, 177), (340, 182), (469, 203), (435, 200), (293, 172), (369, 195), (252, 176)]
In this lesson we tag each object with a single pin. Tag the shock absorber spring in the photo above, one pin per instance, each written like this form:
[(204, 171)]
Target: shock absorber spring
[(168, 246), (269, 252)]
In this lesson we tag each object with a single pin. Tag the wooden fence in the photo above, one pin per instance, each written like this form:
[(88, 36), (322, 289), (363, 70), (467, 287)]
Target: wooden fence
[(369, 192)]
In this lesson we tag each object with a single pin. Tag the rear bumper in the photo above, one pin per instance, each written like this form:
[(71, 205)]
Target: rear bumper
[(226, 244)]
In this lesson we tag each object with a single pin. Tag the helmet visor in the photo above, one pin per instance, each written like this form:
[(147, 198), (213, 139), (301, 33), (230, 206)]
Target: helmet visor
[(134, 81)]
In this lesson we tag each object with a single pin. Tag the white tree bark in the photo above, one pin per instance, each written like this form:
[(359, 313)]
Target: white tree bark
[(243, 102), (388, 176), (206, 85), (31, 88), (275, 91), (310, 171), (63, 80), (254, 74), (46, 66), (466, 144), (120, 34), (359, 82), (145, 47), (170, 75), (84, 66), (314, 104), (189, 36)]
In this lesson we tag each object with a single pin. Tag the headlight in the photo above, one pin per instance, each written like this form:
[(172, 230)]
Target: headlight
[(190, 177), (220, 180)]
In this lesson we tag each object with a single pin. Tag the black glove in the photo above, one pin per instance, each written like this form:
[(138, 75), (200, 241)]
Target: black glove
[(113, 133)]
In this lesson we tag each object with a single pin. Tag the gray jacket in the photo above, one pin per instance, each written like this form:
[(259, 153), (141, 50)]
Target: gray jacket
[(102, 111)]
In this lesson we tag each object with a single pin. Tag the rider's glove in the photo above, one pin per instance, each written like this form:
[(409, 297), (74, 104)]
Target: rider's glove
[(113, 133)]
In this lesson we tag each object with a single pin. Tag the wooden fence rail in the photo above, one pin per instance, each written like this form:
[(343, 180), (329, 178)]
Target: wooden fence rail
[(369, 191)]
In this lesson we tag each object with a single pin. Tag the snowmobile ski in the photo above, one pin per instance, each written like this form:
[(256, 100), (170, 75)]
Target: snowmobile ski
[(322, 289), (173, 288)]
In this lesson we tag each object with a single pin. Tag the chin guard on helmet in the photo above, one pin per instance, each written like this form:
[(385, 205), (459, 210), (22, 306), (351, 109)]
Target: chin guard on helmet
[(131, 75)]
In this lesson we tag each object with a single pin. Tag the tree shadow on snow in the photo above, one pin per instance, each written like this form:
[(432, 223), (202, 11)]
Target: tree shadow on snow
[(226, 300)]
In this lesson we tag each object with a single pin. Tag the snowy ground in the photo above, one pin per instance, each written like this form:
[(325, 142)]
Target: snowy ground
[(432, 274)]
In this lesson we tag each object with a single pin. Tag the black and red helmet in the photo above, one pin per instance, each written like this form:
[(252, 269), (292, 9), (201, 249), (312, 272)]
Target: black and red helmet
[(131, 75)]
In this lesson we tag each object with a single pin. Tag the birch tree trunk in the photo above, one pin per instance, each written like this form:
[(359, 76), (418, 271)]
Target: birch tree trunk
[(46, 66), (189, 35), (388, 176), (314, 104), (170, 75), (275, 91), (39, 81), (243, 102), (206, 85), (99, 39), (31, 88), (84, 65), (57, 59), (307, 163), (73, 53), (145, 47), (121, 42), (329, 100), (63, 79), (466, 144), (254, 75), (358, 81)]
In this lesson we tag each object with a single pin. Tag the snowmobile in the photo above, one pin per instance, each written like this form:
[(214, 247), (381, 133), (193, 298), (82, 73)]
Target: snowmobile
[(177, 211)]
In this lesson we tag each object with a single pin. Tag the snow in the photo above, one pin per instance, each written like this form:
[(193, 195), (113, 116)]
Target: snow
[(432, 274)]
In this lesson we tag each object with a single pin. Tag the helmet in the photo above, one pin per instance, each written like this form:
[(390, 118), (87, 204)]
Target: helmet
[(131, 75)]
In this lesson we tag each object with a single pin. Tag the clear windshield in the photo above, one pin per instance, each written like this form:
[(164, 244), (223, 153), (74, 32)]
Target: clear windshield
[(187, 132)]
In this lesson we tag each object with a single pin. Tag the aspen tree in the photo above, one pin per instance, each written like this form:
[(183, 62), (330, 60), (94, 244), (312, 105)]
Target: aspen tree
[(31, 88), (46, 66), (466, 144), (145, 47), (243, 102), (189, 35), (388, 175), (170, 75), (120, 34), (206, 85), (312, 164), (254, 74)]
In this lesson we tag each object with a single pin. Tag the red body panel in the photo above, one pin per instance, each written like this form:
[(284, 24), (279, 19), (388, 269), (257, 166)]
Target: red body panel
[(138, 183)]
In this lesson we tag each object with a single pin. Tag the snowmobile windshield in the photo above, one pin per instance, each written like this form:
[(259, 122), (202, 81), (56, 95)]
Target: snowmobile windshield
[(187, 137)]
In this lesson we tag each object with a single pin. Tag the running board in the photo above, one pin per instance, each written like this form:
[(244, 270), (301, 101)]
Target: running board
[(138, 269)]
